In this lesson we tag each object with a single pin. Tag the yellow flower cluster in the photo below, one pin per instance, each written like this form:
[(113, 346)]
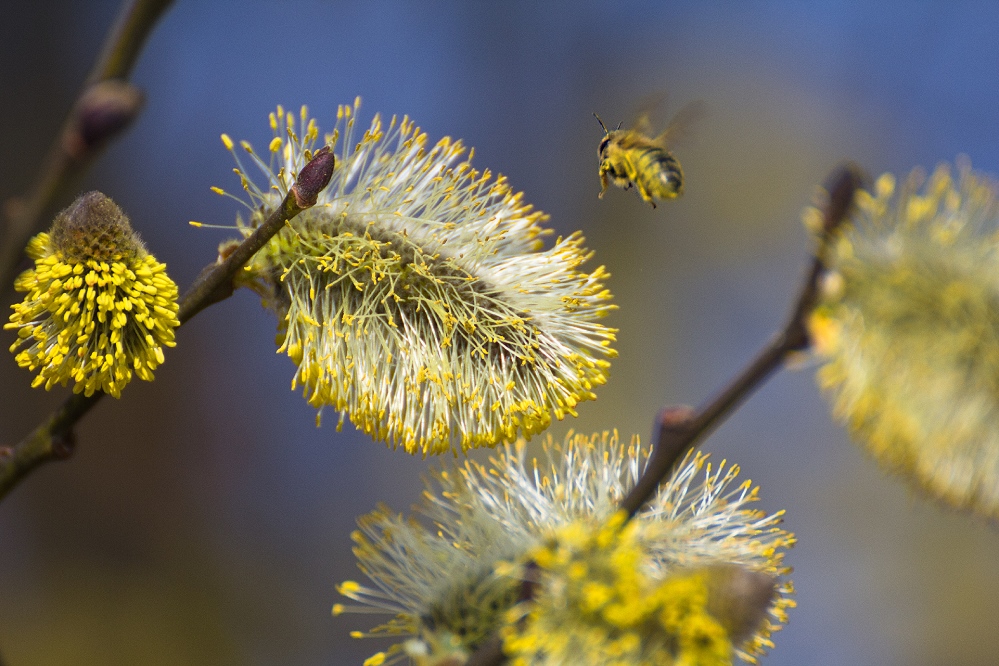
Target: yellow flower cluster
[(908, 326), (98, 308), (416, 296), (599, 604), (657, 588)]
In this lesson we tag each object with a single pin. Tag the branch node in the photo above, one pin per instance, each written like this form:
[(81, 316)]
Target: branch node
[(674, 418), (104, 110), (63, 445), (840, 188)]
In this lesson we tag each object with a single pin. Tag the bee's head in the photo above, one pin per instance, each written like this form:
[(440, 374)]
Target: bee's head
[(601, 149)]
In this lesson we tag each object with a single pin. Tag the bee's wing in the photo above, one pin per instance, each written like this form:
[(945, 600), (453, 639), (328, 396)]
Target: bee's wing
[(681, 123), (642, 124), (647, 106)]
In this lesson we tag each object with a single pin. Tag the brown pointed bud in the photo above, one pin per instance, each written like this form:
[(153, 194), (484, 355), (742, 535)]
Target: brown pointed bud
[(94, 227), (675, 416), (839, 191), (739, 598), (104, 110), (314, 177), (225, 249)]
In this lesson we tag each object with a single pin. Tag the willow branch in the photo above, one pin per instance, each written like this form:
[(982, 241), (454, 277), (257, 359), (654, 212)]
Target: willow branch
[(54, 439), (126, 39), (104, 108), (681, 429)]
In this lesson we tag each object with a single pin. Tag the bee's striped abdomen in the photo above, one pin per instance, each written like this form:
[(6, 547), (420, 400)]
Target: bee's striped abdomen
[(660, 173)]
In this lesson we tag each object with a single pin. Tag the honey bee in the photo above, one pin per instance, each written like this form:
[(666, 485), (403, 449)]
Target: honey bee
[(631, 157)]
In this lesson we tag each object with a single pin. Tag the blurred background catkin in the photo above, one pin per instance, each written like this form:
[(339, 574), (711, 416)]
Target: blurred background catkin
[(204, 518)]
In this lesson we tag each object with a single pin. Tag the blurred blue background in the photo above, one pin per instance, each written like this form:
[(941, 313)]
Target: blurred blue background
[(204, 518)]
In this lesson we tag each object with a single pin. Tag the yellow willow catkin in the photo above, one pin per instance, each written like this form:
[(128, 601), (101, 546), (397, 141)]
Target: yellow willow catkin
[(456, 579), (908, 327), (98, 308), (417, 298)]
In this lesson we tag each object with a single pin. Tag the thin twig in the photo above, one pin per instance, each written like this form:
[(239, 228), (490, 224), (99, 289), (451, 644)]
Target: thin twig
[(681, 428), (676, 436), (126, 39), (81, 138), (215, 282), (54, 439)]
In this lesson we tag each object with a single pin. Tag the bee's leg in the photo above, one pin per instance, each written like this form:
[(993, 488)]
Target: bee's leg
[(646, 197), (603, 182)]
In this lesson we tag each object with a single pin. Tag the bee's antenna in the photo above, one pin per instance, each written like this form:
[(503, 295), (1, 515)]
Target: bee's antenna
[(601, 123), (618, 126)]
